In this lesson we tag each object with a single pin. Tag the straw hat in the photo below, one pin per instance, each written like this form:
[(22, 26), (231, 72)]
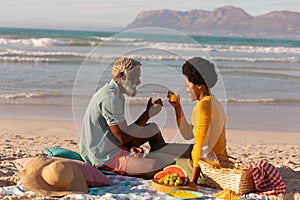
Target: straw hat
[(53, 177)]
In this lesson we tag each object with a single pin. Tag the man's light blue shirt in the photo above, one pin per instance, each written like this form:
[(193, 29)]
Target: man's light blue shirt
[(106, 108)]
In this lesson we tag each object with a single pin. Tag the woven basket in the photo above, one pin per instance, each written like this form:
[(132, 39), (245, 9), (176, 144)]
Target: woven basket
[(238, 180)]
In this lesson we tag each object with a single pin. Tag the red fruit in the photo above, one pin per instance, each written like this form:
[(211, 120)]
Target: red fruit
[(171, 170), (160, 174)]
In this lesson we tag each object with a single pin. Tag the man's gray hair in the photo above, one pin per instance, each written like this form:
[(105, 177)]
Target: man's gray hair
[(122, 65)]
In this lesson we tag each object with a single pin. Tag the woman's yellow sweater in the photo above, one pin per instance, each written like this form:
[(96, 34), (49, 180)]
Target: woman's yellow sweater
[(201, 121)]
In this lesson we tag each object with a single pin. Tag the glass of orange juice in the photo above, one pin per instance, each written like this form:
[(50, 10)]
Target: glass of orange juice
[(173, 98)]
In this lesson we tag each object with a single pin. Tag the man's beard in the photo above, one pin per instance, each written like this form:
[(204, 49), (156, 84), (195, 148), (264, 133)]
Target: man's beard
[(129, 88)]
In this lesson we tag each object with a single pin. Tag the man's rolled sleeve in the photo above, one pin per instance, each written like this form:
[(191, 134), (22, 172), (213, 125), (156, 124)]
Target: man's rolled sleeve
[(112, 110)]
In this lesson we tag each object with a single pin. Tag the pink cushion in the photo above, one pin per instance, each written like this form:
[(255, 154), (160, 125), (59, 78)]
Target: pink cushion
[(93, 176)]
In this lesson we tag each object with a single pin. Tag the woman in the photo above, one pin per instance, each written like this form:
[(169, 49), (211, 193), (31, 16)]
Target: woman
[(208, 117)]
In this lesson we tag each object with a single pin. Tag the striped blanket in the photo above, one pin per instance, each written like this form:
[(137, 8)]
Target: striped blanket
[(123, 187)]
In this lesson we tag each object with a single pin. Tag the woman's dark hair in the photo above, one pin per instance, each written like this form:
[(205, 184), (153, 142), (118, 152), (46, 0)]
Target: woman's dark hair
[(200, 71)]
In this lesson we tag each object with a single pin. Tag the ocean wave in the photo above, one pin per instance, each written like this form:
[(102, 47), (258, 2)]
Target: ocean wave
[(215, 48), (100, 58), (12, 52), (36, 42), (175, 57), (44, 42), (144, 43), (39, 104), (13, 55), (116, 39), (214, 58), (258, 49), (263, 100), (265, 59), (75, 57), (27, 59), (193, 46), (24, 95)]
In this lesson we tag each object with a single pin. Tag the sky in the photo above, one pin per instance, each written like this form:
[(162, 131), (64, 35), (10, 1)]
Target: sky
[(114, 14)]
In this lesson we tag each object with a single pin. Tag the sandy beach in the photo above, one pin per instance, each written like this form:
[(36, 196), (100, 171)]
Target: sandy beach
[(27, 138)]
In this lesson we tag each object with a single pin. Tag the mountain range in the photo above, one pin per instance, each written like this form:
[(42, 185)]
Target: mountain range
[(224, 21)]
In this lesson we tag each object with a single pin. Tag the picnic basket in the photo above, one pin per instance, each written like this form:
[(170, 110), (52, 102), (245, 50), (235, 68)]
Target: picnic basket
[(239, 180)]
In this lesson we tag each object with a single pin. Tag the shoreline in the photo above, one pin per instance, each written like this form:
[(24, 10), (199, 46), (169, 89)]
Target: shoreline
[(239, 117), (50, 127)]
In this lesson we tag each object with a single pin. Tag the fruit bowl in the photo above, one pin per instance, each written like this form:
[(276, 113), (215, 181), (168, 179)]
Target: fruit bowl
[(167, 188)]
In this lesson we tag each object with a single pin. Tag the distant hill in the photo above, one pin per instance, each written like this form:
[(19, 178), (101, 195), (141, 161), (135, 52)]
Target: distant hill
[(224, 21)]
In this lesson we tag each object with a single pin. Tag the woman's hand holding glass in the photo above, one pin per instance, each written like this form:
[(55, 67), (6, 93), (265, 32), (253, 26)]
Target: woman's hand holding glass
[(174, 99)]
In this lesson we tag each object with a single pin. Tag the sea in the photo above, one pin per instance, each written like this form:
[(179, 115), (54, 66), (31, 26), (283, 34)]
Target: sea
[(52, 74)]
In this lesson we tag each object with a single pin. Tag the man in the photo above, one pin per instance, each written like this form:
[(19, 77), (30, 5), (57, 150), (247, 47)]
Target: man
[(106, 138)]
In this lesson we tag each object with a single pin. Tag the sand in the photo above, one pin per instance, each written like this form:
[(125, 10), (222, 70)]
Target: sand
[(27, 138)]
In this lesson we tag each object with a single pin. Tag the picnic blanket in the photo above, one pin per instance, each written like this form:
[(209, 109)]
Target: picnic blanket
[(123, 187)]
